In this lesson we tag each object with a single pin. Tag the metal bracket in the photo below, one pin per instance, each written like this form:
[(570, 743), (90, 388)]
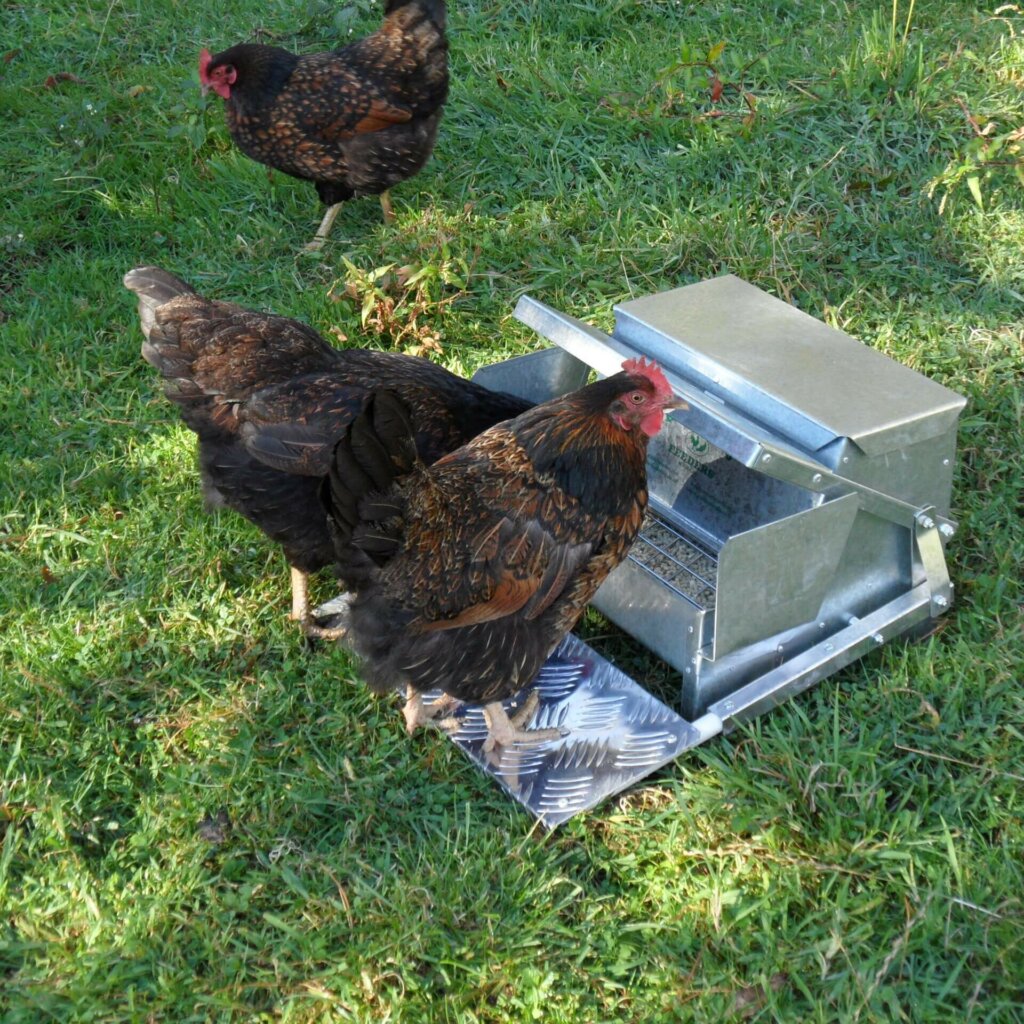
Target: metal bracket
[(928, 540)]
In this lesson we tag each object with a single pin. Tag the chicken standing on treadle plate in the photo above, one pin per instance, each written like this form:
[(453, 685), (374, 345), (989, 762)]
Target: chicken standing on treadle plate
[(353, 121), (468, 573), (269, 398)]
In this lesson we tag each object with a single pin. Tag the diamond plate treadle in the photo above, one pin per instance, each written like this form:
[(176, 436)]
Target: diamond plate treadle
[(616, 733)]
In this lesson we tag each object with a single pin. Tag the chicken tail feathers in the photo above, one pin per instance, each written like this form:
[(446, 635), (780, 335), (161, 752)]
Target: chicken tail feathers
[(154, 287), (376, 450), (392, 427)]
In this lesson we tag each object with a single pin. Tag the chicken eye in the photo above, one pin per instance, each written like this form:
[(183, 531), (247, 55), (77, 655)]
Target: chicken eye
[(637, 397)]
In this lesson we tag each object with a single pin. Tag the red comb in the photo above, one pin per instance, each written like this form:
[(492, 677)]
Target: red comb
[(652, 372), (204, 63)]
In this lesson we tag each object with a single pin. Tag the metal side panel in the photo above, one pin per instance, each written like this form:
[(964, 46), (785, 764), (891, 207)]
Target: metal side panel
[(537, 377), (615, 734), (776, 576)]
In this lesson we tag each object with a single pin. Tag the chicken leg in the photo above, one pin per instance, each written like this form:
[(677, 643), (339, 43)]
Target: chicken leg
[(324, 230), (332, 212), (301, 613)]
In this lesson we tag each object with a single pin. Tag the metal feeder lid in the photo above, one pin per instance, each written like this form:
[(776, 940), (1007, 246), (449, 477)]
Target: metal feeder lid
[(810, 382)]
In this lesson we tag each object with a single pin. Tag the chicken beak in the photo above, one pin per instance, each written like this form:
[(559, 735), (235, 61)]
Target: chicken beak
[(675, 403)]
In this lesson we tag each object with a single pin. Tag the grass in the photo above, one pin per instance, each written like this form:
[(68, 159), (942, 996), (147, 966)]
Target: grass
[(200, 820)]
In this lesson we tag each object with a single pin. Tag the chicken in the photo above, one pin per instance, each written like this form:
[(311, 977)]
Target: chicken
[(268, 399), (467, 574), (353, 121)]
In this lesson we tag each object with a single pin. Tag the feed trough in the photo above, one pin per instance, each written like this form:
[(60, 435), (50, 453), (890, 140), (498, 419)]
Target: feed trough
[(798, 515)]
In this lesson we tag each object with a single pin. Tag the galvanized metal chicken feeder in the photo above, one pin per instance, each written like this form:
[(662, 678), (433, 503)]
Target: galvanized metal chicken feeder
[(798, 517)]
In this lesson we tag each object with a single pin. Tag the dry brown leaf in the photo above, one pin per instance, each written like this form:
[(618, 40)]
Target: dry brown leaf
[(61, 76)]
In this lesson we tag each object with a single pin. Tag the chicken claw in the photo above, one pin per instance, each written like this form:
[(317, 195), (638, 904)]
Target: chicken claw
[(503, 731)]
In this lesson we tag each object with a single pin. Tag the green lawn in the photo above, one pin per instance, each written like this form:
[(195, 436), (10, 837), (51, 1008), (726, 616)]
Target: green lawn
[(202, 820)]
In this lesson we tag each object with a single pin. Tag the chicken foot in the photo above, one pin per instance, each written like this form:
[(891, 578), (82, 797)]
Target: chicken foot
[(503, 731), (300, 610), (416, 713)]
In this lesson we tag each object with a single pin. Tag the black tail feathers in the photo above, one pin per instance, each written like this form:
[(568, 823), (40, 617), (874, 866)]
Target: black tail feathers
[(377, 449)]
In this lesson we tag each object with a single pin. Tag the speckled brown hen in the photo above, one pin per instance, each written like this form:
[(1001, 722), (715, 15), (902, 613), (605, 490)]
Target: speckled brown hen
[(268, 399), (468, 573), (353, 121)]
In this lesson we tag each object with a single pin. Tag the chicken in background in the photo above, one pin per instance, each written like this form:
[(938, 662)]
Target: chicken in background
[(468, 573), (268, 398), (353, 121)]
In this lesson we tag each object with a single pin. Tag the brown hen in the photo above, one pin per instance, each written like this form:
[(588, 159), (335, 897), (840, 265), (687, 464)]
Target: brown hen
[(268, 399), (467, 574), (353, 121)]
